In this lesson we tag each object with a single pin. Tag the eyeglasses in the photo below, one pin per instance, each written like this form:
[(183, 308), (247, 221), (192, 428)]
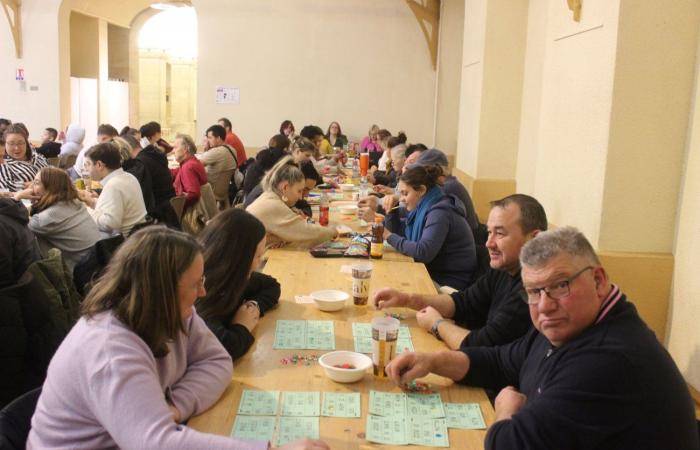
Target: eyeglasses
[(16, 144), (555, 291)]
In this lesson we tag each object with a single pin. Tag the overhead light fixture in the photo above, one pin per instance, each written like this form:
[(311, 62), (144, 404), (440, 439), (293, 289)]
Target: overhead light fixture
[(171, 4)]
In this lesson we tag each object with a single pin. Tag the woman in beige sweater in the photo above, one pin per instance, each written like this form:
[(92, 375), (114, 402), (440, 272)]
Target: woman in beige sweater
[(283, 185)]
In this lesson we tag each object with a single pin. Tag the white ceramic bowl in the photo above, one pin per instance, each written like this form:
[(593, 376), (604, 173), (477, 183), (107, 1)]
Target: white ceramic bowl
[(329, 300), (347, 210), (347, 187), (360, 361)]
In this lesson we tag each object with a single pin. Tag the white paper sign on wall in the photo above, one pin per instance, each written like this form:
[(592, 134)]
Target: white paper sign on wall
[(230, 95)]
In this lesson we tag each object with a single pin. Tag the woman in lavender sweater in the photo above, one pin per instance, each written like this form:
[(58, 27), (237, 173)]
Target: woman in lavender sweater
[(140, 361)]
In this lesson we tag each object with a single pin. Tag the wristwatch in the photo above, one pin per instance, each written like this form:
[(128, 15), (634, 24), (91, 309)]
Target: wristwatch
[(435, 331)]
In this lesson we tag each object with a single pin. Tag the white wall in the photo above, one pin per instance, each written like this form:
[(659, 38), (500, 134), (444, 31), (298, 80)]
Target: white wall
[(36, 109), (313, 61)]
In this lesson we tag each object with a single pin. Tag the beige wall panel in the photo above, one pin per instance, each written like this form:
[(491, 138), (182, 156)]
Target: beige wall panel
[(653, 85), (574, 115), (449, 75), (684, 332), (84, 46), (313, 61), (535, 57)]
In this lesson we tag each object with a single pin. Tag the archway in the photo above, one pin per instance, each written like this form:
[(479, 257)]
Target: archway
[(167, 71)]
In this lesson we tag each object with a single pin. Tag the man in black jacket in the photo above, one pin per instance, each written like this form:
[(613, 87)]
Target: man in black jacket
[(491, 307), (156, 164), (18, 246), (590, 375)]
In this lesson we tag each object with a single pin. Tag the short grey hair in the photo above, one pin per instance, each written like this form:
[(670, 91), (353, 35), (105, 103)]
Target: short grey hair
[(550, 244), (398, 152), (284, 170), (188, 142)]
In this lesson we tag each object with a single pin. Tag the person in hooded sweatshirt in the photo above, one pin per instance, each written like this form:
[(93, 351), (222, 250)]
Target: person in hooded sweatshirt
[(73, 142), (435, 231), (18, 246)]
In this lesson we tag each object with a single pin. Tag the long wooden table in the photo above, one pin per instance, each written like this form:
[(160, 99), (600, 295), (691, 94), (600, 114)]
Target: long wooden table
[(261, 368)]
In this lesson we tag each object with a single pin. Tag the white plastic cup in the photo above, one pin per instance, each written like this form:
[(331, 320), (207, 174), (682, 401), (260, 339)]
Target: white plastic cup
[(385, 332)]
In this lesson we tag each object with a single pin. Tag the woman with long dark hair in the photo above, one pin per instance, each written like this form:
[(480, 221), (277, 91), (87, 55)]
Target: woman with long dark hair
[(237, 295)]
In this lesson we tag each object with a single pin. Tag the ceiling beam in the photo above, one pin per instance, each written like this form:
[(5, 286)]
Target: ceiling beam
[(427, 14), (12, 12)]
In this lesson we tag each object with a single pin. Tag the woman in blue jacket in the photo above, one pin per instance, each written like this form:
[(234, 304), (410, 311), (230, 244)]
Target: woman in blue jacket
[(435, 231)]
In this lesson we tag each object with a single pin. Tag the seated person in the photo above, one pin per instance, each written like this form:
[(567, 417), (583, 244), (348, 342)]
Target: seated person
[(311, 180), (120, 205), (49, 148), (137, 168), (189, 178), (73, 142), (218, 157), (21, 163), (264, 160), (140, 361), (369, 142), (389, 179), (151, 156), (324, 156), (335, 136), (434, 232), (449, 183), (589, 375), (491, 307), (59, 219), (237, 295), (18, 246), (283, 186), (233, 141), (105, 133)]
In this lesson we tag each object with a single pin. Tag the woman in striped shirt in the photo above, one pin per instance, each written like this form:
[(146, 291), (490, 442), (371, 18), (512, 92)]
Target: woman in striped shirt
[(21, 164)]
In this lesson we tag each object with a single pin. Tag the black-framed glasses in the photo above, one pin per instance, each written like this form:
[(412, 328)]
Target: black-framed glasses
[(555, 291)]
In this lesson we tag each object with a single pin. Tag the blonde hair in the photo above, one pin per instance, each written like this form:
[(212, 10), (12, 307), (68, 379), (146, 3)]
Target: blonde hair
[(284, 170), (124, 148), (140, 285)]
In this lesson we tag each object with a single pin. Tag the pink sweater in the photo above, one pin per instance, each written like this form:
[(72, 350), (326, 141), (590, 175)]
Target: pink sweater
[(104, 389)]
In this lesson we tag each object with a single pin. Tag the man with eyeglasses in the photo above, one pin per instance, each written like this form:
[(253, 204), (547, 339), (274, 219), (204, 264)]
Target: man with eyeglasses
[(490, 311), (590, 375)]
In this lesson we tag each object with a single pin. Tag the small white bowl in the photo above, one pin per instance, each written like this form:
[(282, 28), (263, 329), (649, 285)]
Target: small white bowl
[(347, 210), (360, 361), (347, 187), (329, 300)]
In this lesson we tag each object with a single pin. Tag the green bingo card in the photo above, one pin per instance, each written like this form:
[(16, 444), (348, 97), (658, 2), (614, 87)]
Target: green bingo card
[(304, 334)]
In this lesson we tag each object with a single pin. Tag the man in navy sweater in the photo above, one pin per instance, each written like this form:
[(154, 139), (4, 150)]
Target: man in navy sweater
[(590, 375), (491, 307)]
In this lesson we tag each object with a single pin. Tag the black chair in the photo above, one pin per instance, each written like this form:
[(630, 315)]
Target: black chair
[(15, 420), (91, 266)]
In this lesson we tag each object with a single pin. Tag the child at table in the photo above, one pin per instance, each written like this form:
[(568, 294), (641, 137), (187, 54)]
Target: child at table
[(237, 295), (140, 360)]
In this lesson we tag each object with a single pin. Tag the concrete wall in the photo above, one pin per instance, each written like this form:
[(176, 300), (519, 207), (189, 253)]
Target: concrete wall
[(315, 61)]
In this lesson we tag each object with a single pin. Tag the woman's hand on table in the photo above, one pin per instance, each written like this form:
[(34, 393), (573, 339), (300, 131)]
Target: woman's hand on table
[(380, 188), (305, 444), (387, 233), (248, 315), (427, 317)]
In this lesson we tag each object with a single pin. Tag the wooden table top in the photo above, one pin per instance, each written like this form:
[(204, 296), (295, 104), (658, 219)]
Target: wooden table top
[(261, 367)]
